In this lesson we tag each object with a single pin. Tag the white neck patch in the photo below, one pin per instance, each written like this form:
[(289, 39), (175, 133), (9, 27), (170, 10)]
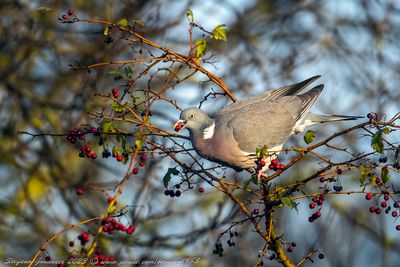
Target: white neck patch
[(209, 131)]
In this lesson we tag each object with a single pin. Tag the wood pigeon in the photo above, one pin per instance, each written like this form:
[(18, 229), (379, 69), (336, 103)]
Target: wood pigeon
[(233, 134)]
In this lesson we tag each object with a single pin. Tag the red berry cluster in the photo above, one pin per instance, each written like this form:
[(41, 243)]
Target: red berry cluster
[(316, 201), (84, 238), (115, 92), (117, 156), (109, 225), (74, 135), (86, 151), (275, 165), (65, 17), (141, 164), (385, 204), (291, 246), (102, 259)]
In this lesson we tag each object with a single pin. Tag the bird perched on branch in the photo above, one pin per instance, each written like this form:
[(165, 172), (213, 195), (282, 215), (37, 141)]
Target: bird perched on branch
[(233, 134)]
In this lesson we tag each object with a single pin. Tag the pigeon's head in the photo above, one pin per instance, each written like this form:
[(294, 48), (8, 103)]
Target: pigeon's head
[(193, 119)]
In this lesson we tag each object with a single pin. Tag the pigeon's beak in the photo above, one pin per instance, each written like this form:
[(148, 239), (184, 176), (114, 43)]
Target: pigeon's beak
[(179, 125)]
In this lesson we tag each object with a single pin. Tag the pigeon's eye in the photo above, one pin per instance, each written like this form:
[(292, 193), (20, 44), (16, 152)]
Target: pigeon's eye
[(191, 115)]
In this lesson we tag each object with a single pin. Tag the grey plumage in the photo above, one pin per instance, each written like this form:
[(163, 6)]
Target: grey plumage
[(232, 135)]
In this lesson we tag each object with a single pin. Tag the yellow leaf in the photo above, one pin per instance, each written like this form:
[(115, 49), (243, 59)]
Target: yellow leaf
[(34, 189)]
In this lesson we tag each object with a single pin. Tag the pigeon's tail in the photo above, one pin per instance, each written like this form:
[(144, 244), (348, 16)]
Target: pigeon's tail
[(313, 119), (318, 118)]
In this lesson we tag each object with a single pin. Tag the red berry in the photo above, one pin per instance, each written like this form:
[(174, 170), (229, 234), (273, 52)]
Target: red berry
[(322, 179), (271, 166), (261, 163), (105, 228), (115, 92), (135, 171), (368, 196), (398, 227), (130, 230), (64, 17), (289, 248), (255, 211), (274, 162), (94, 156), (386, 197), (281, 166), (377, 180), (201, 189), (115, 154), (317, 214), (141, 163), (372, 209), (80, 191), (143, 157), (378, 211), (396, 205), (339, 171), (119, 158), (312, 205), (311, 219), (48, 258), (70, 12), (394, 213), (384, 204)]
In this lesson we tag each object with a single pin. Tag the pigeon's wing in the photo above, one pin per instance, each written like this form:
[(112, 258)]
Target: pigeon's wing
[(274, 94), (268, 122)]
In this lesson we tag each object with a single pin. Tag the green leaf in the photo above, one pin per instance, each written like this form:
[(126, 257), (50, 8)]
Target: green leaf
[(115, 74), (247, 183), (376, 142), (106, 31), (286, 201), (138, 144), (262, 152), (128, 72), (112, 209), (366, 172), (219, 33), (138, 21), (386, 131), (309, 137), (167, 176), (117, 108), (254, 179), (189, 15), (396, 154), (385, 174), (107, 127), (117, 149), (123, 22), (201, 48)]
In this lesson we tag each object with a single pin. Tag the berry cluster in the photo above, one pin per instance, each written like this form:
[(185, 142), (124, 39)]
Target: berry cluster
[(218, 249), (79, 134), (86, 151), (67, 17), (109, 225), (100, 259), (316, 201), (291, 247), (275, 165), (74, 135), (117, 156), (172, 192), (384, 204), (84, 238)]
